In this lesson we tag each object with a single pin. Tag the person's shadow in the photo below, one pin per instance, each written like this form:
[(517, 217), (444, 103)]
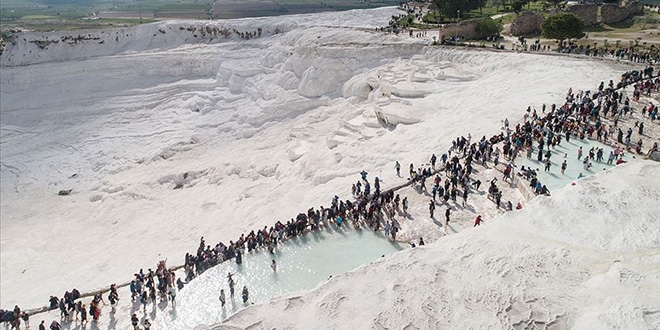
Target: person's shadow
[(152, 315), (113, 321), (438, 223), (173, 313)]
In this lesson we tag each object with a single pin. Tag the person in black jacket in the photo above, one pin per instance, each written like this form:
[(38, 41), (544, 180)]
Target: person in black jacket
[(135, 321)]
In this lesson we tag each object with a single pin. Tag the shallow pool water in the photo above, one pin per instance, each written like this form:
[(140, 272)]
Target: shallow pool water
[(554, 179), (302, 263)]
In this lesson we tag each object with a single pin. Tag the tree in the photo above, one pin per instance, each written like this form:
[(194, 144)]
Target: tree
[(650, 20), (450, 8), (562, 26), (517, 6), (498, 3), (488, 27), (474, 4), (556, 2)]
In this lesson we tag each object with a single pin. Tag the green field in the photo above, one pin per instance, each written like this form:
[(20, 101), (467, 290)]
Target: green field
[(487, 11), (74, 14), (254, 8)]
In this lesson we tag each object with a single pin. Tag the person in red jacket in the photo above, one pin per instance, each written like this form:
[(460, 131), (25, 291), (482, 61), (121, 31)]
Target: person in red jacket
[(478, 220)]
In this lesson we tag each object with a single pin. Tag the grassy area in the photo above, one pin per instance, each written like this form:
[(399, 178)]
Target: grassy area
[(67, 14), (487, 11), (650, 20), (491, 10), (70, 14), (154, 6), (507, 19), (639, 28), (434, 18), (77, 24), (337, 5), (349, 3)]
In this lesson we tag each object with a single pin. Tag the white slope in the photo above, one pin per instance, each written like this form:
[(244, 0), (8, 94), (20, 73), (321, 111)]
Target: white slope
[(255, 131), (33, 47), (585, 258)]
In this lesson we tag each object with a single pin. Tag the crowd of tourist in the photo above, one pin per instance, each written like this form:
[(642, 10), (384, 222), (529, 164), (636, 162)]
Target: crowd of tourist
[(584, 114), (620, 53)]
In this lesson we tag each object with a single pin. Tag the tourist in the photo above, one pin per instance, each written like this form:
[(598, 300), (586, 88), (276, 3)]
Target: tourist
[(586, 164), (653, 149), (135, 321), (54, 302), (172, 295), (133, 290), (26, 319), (222, 297), (143, 301), (245, 294), (64, 314), (94, 311), (230, 279), (478, 220), (83, 314), (238, 256), (113, 298)]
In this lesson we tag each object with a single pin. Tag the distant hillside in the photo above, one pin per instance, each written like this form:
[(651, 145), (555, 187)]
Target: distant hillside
[(48, 15)]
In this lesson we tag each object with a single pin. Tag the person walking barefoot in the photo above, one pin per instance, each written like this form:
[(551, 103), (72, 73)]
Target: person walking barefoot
[(245, 294)]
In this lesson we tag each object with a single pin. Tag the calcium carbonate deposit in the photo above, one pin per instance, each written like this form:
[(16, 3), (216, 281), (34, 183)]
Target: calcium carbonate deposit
[(256, 120)]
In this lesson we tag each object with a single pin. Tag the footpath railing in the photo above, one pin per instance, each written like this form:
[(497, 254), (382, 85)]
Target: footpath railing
[(45, 309)]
